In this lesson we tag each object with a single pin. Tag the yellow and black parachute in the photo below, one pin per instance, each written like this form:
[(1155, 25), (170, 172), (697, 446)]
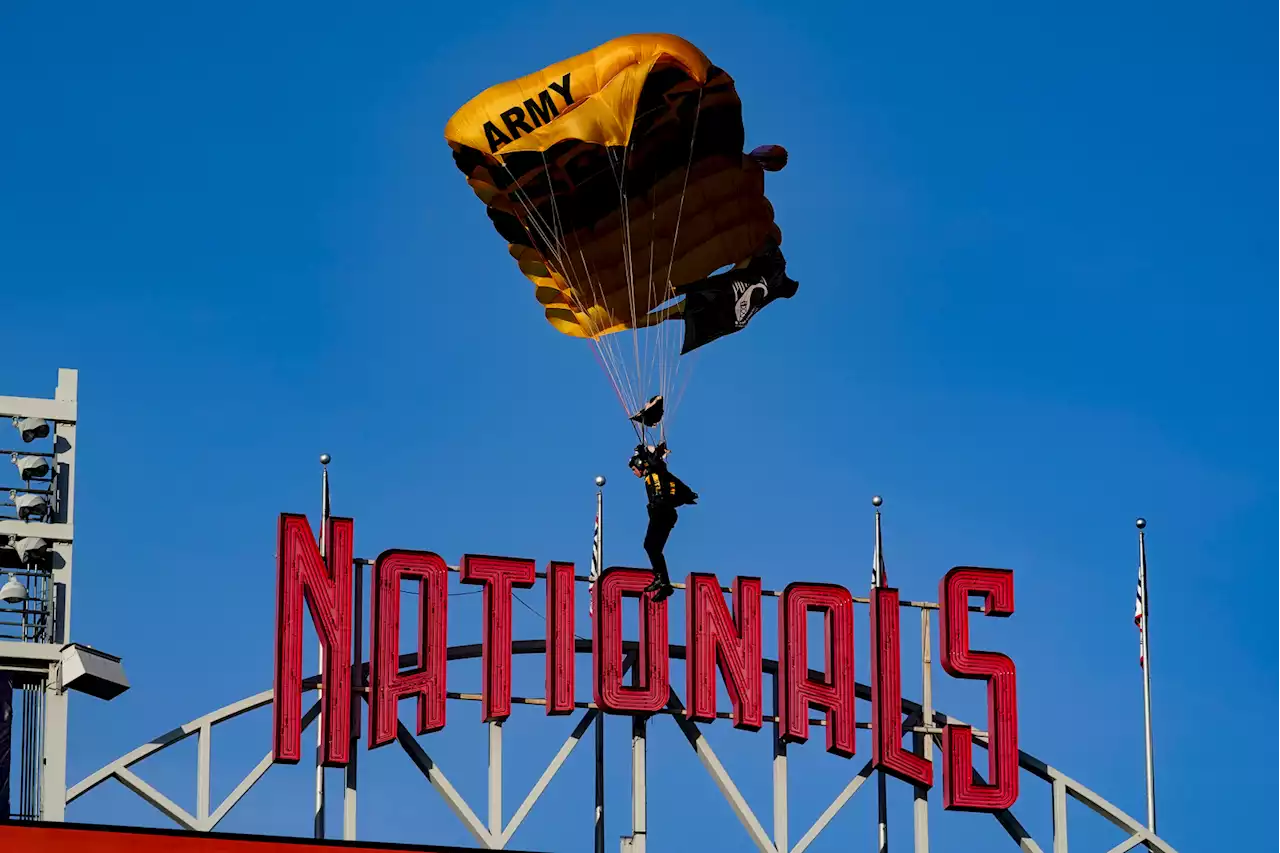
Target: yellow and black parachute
[(617, 177)]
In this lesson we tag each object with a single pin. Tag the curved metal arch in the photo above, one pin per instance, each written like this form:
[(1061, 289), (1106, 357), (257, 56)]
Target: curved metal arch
[(497, 836)]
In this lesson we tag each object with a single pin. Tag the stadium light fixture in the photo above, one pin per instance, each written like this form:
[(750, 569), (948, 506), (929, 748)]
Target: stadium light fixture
[(92, 671), (28, 548), (31, 467), (32, 428), (31, 506)]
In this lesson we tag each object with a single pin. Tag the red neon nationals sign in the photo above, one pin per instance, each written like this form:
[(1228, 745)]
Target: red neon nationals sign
[(723, 637)]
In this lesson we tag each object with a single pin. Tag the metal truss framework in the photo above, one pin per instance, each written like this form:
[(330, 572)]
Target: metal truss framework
[(495, 832), (30, 657)]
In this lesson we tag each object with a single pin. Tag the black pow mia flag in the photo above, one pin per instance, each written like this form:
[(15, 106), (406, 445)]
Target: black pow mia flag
[(725, 303)]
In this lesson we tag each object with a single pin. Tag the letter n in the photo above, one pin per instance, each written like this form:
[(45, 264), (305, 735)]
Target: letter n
[(960, 791), (426, 683), (714, 637), (834, 689), (886, 695), (302, 574)]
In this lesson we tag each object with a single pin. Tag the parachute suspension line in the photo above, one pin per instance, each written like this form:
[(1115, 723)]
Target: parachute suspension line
[(628, 400), (624, 204), (559, 250), (619, 179), (649, 346), (639, 390), (604, 355), (630, 394), (653, 337), (632, 405), (693, 137), (688, 375), (616, 390)]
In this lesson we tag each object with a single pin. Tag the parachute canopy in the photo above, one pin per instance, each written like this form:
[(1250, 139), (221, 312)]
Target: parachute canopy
[(616, 176)]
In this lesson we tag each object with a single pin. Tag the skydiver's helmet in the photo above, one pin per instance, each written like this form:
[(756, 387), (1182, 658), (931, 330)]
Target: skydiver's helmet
[(641, 460), (647, 457)]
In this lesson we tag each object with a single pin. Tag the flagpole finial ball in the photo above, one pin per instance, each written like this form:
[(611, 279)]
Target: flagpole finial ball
[(1141, 523), (877, 500), (600, 481), (325, 458)]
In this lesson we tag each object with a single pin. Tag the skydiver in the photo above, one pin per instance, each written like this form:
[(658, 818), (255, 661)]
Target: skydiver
[(665, 492)]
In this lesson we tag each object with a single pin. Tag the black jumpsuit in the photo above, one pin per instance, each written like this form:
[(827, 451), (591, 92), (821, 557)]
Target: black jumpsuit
[(665, 492)]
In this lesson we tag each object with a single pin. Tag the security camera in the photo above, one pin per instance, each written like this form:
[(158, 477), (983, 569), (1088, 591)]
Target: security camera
[(32, 428), (13, 592), (31, 467)]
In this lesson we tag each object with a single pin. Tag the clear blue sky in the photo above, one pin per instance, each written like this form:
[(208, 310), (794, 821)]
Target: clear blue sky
[(1038, 300)]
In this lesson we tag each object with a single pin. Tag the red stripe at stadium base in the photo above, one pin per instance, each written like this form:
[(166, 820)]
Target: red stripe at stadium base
[(34, 837)]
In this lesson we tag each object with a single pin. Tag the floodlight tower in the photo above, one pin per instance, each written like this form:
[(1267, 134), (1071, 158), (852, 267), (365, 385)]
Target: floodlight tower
[(38, 661)]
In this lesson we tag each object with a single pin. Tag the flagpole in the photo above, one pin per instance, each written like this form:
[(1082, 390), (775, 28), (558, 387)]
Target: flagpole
[(358, 681), (877, 558), (597, 558), (878, 580), (318, 828), (1145, 640)]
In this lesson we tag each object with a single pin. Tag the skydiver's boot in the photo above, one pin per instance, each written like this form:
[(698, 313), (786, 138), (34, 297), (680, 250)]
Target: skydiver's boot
[(660, 586)]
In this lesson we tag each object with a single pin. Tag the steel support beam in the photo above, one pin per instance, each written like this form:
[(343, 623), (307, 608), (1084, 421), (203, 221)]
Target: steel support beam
[(780, 807), (247, 783), (39, 654), (547, 775), (495, 778), (832, 810), (920, 743), (723, 781), (599, 780), (52, 531), (64, 458), (203, 770), (639, 788), (165, 805), (53, 773), (351, 774), (1059, 817), (436, 777), (60, 409), (759, 836), (1126, 846)]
